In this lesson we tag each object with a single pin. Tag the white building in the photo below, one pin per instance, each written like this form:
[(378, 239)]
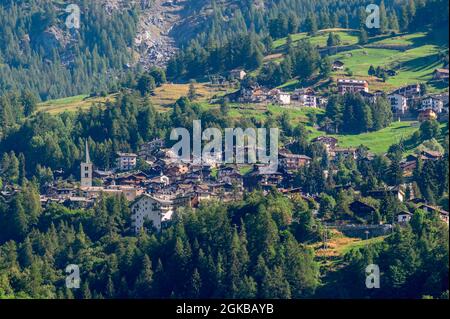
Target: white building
[(404, 217), (86, 170), (126, 161), (435, 104), (151, 209), (281, 97), (308, 100), (399, 103)]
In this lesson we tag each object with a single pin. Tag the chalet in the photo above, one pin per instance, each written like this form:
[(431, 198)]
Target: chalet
[(306, 97), (146, 150), (308, 101), (134, 179), (427, 115), (434, 103), (338, 65), (329, 142), (279, 97), (363, 211), (238, 74), (369, 97), (126, 161), (258, 178), (399, 103), (390, 191), (433, 209), (431, 155), (293, 162), (352, 86), (440, 74), (409, 91), (404, 217), (408, 167), (344, 153), (130, 192)]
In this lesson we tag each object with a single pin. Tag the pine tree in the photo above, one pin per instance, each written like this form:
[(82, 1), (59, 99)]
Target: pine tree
[(363, 37), (384, 23), (144, 282)]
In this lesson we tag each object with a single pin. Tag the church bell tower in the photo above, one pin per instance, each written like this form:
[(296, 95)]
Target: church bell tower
[(86, 170)]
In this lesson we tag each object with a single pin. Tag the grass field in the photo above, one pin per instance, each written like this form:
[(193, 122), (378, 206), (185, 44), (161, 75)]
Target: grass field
[(72, 104), (339, 244), (415, 63), (166, 95), (380, 141), (348, 37)]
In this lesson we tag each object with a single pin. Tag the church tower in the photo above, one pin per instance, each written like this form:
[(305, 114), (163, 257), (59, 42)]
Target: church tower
[(86, 170)]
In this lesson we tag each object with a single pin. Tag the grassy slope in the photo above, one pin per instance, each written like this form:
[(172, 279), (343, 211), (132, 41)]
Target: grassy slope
[(379, 142), (348, 37), (414, 56), (72, 104)]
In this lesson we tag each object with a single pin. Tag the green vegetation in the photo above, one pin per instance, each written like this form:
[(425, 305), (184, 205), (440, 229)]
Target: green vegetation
[(411, 56), (348, 37), (380, 141), (72, 104)]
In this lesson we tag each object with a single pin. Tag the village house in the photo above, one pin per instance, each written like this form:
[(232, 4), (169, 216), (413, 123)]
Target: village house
[(431, 155), (352, 86), (279, 97), (258, 178), (427, 115), (348, 152), (126, 161), (130, 192), (396, 192), (433, 209), (369, 97), (151, 209), (440, 74), (252, 94), (329, 142), (399, 103), (293, 162), (147, 150), (409, 91), (238, 74), (434, 103), (404, 217), (338, 65), (306, 97), (363, 211)]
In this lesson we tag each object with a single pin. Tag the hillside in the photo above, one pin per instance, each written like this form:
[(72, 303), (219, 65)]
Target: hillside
[(414, 56)]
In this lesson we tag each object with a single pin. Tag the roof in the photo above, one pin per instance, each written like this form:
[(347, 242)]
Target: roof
[(127, 154), (288, 155), (352, 81), (442, 70)]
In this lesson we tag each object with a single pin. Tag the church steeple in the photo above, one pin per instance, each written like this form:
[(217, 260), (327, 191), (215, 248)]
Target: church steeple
[(86, 169), (88, 158)]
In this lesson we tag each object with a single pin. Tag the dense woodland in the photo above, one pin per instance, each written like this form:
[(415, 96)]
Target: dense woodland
[(259, 247), (254, 248), (38, 53)]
